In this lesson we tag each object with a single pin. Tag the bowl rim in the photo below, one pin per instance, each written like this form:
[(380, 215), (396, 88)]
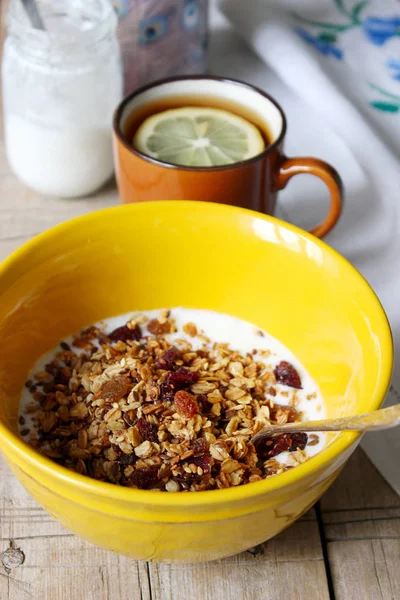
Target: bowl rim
[(148, 498)]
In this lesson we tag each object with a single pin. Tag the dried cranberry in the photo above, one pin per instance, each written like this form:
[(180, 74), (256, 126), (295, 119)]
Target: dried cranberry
[(199, 446), (204, 462), (287, 442), (124, 333), (148, 431), (177, 380), (182, 378), (168, 359), (186, 404), (286, 374), (144, 478), (167, 391), (282, 443)]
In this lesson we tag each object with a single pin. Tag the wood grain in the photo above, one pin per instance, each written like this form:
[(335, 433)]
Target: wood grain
[(292, 566), (361, 516)]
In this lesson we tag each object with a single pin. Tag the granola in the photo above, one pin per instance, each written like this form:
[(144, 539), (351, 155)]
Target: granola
[(152, 407)]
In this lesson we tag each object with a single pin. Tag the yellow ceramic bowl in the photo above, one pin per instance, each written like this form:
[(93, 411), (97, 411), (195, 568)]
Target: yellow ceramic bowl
[(162, 254)]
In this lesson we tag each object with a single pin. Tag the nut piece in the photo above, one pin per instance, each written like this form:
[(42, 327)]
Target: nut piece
[(144, 449), (172, 486)]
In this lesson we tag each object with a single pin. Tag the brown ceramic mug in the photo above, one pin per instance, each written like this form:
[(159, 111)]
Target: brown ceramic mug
[(252, 183)]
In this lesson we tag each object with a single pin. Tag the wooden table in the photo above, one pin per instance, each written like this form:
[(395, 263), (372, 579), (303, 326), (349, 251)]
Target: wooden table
[(347, 547)]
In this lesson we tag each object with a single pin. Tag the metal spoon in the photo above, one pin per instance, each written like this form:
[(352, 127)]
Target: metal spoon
[(33, 13), (385, 418)]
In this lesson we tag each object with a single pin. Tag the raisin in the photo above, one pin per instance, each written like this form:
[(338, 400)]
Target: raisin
[(127, 459), (115, 389), (199, 446), (168, 359), (299, 441), (204, 405), (156, 328), (65, 346), (61, 378), (48, 387), (144, 478), (286, 374), (147, 430), (182, 378), (186, 404), (125, 333)]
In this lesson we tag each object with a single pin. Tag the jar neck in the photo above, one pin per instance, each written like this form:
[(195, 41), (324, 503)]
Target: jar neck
[(76, 31)]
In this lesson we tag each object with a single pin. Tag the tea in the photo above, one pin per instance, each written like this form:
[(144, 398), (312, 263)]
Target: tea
[(140, 114), (251, 183)]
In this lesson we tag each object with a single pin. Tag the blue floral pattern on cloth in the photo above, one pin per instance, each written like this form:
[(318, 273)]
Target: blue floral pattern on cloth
[(393, 65), (322, 44), (327, 37), (379, 30)]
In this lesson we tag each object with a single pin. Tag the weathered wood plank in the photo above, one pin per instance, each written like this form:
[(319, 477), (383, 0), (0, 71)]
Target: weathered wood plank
[(360, 486), (57, 564), (361, 516), (292, 566)]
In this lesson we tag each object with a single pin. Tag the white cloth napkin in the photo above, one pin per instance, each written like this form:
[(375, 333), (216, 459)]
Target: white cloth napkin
[(332, 65)]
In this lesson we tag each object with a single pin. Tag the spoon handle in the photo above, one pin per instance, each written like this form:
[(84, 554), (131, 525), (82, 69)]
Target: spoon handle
[(384, 418)]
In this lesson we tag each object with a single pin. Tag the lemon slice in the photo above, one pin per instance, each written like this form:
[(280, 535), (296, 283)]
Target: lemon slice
[(196, 136)]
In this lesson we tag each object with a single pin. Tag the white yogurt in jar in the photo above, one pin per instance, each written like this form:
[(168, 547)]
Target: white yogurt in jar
[(218, 328), (60, 88)]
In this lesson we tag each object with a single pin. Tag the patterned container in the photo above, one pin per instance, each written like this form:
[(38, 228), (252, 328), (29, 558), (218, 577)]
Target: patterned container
[(161, 38)]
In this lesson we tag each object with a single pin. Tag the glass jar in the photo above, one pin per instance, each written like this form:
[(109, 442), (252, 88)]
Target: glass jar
[(60, 88)]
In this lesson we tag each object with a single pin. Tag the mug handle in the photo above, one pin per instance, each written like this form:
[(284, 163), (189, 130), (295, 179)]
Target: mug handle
[(294, 166)]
